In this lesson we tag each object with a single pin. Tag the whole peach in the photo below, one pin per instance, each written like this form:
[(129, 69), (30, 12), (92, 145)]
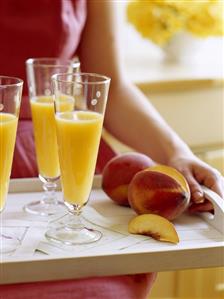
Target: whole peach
[(152, 192), (118, 173)]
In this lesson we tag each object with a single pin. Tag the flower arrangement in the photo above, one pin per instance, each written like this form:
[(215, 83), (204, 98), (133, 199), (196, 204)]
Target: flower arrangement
[(160, 20)]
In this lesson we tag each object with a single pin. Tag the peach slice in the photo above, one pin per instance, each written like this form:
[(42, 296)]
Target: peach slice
[(155, 226), (172, 172)]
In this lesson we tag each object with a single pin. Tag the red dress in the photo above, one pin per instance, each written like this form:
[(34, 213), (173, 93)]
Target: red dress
[(51, 28), (42, 28)]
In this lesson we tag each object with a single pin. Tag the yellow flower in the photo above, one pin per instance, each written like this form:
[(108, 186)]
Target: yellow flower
[(208, 22), (160, 20)]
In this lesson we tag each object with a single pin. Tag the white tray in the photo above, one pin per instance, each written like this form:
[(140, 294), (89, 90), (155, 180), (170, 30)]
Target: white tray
[(201, 244)]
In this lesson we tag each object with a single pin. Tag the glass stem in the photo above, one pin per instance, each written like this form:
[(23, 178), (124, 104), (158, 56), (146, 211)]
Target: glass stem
[(74, 219), (50, 194)]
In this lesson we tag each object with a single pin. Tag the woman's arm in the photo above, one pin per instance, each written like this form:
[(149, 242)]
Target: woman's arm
[(130, 117)]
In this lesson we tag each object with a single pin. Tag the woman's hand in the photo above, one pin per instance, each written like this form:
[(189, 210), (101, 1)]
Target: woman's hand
[(199, 173)]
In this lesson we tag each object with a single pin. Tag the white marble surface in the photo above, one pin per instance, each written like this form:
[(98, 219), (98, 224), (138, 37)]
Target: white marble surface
[(103, 214), (116, 253)]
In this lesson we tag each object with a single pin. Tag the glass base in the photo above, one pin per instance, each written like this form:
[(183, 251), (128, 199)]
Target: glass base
[(8, 243), (45, 208), (69, 236)]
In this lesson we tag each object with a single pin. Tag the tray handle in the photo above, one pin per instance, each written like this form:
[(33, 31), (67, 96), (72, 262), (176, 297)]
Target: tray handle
[(216, 220)]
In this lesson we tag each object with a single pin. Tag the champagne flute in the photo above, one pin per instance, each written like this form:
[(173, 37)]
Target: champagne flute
[(10, 100), (78, 135), (39, 72)]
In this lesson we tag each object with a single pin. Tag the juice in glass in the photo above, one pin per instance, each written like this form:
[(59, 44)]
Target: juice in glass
[(78, 135), (8, 126), (42, 108)]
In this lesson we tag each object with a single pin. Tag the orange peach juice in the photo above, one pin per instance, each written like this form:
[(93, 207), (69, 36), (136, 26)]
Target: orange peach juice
[(8, 126), (78, 141), (65, 103), (42, 108), (45, 136)]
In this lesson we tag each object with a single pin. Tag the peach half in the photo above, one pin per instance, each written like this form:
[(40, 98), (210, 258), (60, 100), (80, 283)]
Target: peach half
[(172, 172), (118, 173), (155, 192), (155, 226)]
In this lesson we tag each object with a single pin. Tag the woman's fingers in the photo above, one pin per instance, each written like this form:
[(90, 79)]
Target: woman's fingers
[(199, 173), (212, 179), (197, 194), (206, 206), (215, 182)]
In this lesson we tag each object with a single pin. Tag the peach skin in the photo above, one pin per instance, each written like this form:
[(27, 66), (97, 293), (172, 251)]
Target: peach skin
[(152, 192), (118, 173)]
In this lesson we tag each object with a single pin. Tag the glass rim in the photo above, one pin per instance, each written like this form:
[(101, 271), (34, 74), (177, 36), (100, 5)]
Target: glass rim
[(39, 61), (103, 79), (17, 81)]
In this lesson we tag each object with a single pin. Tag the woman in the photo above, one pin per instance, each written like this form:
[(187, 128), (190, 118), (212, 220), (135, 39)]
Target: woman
[(63, 28)]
